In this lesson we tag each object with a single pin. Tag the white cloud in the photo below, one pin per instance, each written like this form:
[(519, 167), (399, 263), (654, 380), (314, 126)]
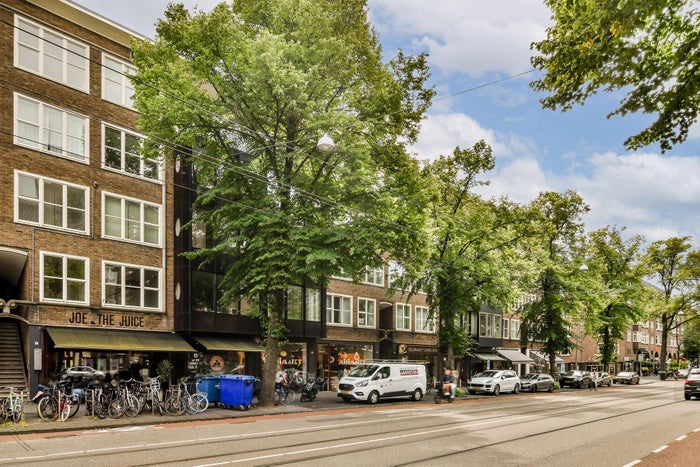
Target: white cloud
[(469, 36)]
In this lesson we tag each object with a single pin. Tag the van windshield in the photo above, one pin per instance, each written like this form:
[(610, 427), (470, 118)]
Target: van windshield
[(363, 371)]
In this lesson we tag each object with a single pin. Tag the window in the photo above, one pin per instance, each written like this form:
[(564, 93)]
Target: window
[(424, 323), (366, 312), (64, 278), (396, 274), (52, 55), (515, 329), (403, 317), (313, 305), (490, 325), (294, 302), (506, 328), (131, 286), (374, 276), (116, 84), (50, 203), (338, 309), (131, 220), (629, 336), (50, 129), (123, 151)]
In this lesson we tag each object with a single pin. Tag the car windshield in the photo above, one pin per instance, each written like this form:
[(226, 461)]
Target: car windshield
[(529, 376), (572, 373), (487, 374), (363, 371)]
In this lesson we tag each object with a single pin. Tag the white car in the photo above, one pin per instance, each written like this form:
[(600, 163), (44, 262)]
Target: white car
[(494, 382)]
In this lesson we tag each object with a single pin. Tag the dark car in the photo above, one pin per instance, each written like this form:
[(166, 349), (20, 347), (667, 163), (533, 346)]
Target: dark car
[(604, 379), (575, 379), (534, 382), (691, 388), (627, 377)]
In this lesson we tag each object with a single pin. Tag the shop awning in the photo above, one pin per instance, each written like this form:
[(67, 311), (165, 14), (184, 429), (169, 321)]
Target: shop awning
[(489, 357), (540, 357), (12, 264), (515, 356), (223, 344), (109, 339)]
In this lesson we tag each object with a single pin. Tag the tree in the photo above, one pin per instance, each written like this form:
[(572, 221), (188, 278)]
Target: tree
[(621, 297), (475, 254), (250, 87), (650, 49), (676, 268), (555, 254), (691, 342)]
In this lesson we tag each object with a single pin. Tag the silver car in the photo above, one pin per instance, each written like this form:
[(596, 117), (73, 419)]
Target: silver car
[(494, 382)]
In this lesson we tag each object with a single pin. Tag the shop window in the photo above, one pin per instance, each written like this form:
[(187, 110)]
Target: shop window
[(50, 129), (294, 308), (424, 322), (131, 286), (403, 317), (123, 151), (50, 203), (131, 220), (313, 305), (47, 53), (338, 309), (366, 313), (64, 278), (116, 83)]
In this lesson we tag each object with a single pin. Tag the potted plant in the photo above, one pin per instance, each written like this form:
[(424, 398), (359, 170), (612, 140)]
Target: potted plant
[(165, 372)]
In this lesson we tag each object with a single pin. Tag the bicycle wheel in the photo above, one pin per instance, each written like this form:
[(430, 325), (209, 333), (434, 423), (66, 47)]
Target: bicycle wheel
[(174, 405), (17, 410), (3, 412), (133, 407), (101, 406), (197, 403), (288, 397), (47, 409), (65, 408), (115, 409), (73, 405)]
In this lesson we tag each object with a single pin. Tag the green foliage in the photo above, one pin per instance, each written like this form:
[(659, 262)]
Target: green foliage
[(203, 368), (250, 87), (164, 370), (648, 49), (691, 342)]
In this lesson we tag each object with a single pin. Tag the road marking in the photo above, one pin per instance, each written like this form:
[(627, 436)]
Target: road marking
[(681, 438), (658, 450), (634, 462), (696, 430)]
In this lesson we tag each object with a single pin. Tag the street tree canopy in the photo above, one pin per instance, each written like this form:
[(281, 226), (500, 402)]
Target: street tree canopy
[(649, 49), (248, 89)]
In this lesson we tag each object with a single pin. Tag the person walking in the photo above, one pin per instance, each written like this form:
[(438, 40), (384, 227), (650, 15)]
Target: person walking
[(594, 381)]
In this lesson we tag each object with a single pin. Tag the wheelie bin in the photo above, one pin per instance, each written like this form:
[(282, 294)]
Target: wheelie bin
[(237, 391), (210, 386)]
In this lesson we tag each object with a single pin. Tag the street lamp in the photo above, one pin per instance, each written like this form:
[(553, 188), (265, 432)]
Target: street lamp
[(325, 144)]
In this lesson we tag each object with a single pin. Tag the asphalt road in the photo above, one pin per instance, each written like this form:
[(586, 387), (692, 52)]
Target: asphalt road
[(613, 426)]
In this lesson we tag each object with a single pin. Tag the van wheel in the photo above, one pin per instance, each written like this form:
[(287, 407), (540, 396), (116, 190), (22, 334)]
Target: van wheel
[(373, 397), (496, 390), (417, 395)]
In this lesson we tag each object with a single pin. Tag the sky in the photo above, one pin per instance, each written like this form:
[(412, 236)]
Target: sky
[(472, 43)]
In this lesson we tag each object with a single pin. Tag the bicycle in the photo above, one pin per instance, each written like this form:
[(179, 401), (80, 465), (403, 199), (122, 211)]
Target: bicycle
[(149, 397), (12, 407), (185, 398), (124, 402), (59, 403), (284, 395)]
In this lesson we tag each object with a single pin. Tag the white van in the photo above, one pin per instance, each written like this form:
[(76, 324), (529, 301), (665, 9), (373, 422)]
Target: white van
[(373, 381)]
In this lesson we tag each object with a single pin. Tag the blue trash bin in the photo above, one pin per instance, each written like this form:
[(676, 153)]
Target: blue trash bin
[(237, 391), (210, 385)]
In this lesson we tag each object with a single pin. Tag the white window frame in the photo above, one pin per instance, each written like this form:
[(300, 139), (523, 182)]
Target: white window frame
[(64, 49), (41, 143), (41, 203), (122, 155), (330, 311), (65, 279), (403, 307), (126, 87), (506, 328), (424, 323), (123, 286), (515, 329), (374, 276), (365, 313), (123, 220)]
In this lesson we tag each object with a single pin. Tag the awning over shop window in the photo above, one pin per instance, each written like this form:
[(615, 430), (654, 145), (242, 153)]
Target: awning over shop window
[(108, 339), (12, 264), (489, 357), (515, 356), (542, 358), (220, 344)]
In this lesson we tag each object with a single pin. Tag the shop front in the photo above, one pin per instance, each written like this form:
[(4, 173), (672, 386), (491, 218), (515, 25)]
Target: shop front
[(223, 354), (426, 354), (335, 359)]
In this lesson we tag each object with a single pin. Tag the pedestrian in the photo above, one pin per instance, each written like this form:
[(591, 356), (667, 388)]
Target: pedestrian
[(594, 381)]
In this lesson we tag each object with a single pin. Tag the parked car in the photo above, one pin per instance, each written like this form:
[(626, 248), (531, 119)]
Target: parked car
[(79, 377), (575, 379), (691, 388), (494, 382), (628, 377), (682, 372), (604, 379), (534, 382)]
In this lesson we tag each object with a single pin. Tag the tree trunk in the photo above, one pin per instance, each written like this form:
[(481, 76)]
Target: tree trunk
[(665, 327), (553, 365), (269, 368), (450, 362)]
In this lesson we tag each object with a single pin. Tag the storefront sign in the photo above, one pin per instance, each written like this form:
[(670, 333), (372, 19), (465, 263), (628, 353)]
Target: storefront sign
[(106, 319), (422, 349), (216, 363)]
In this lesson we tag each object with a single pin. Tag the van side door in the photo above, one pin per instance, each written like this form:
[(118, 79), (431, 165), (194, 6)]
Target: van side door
[(385, 380)]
